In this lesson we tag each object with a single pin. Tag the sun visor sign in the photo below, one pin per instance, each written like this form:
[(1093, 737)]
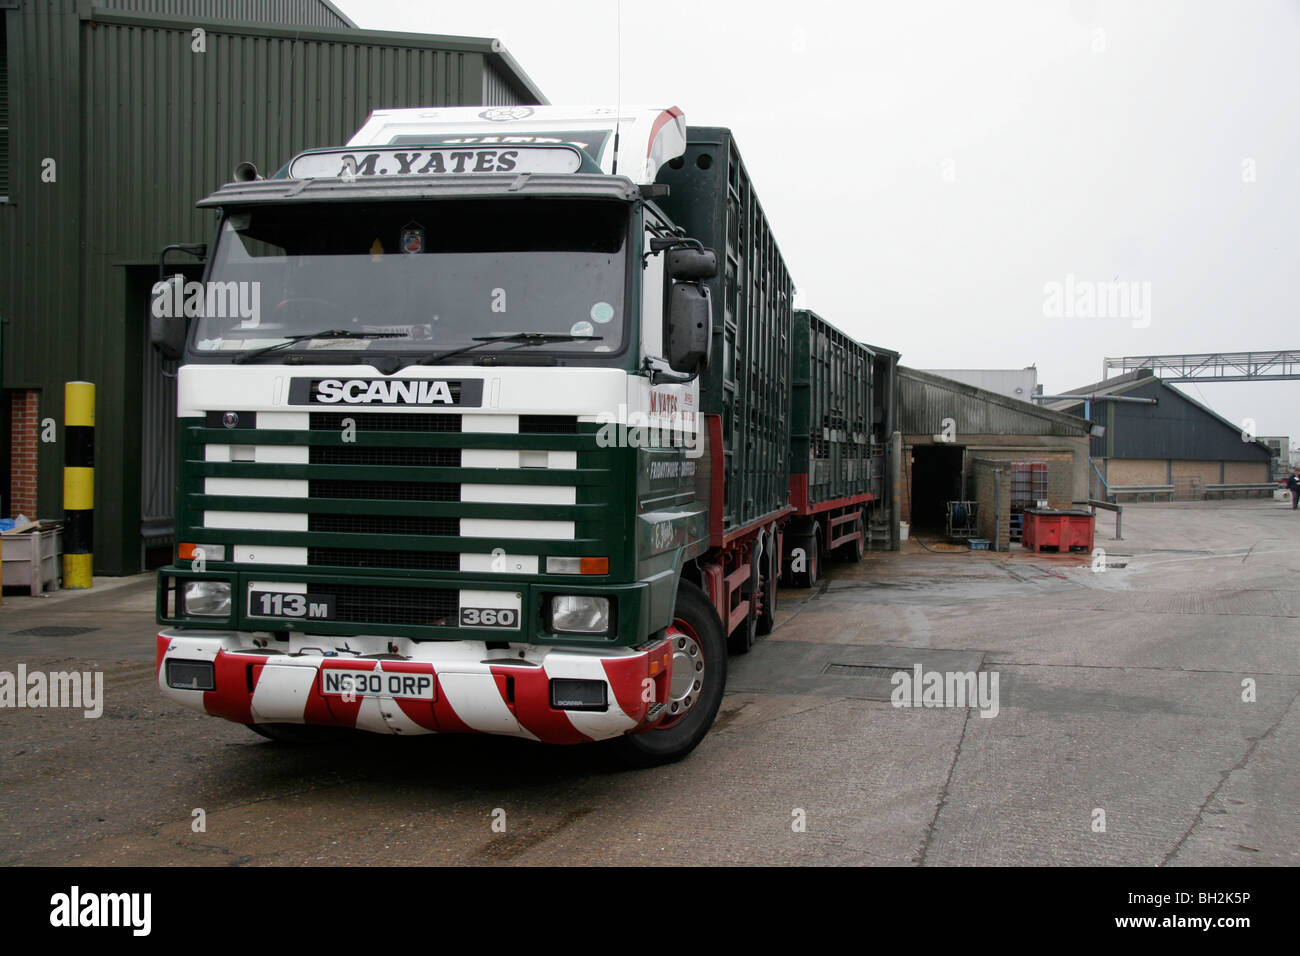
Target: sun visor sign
[(410, 392), (353, 164)]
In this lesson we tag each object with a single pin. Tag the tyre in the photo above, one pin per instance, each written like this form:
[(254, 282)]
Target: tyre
[(810, 576), (297, 734), (699, 658), (852, 551), (743, 638), (767, 615)]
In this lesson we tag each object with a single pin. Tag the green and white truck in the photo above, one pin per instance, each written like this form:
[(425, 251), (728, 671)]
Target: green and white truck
[(504, 447)]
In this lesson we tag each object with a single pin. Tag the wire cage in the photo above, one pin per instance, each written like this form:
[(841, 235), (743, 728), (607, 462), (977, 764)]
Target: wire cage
[(1028, 486)]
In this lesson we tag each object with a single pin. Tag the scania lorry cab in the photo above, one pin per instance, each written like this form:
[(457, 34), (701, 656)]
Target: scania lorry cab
[(443, 462)]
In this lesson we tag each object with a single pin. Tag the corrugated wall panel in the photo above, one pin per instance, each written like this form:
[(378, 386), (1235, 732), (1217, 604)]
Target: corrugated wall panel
[(307, 13), (1174, 428), (498, 90), (40, 225), (924, 403), (4, 108)]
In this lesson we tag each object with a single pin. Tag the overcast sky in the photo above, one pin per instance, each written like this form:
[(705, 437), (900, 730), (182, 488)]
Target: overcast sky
[(930, 169)]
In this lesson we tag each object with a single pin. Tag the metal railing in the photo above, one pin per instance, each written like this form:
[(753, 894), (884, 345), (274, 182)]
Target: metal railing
[(1110, 506), (1242, 486), (1115, 490)]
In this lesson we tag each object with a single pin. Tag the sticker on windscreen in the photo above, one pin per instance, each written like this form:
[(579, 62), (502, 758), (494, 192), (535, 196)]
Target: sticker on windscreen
[(602, 312), (582, 328)]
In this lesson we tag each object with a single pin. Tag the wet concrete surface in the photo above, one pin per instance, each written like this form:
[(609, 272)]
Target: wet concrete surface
[(1119, 693)]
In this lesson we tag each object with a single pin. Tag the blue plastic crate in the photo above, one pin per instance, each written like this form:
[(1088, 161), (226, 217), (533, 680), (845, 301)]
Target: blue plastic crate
[(978, 544)]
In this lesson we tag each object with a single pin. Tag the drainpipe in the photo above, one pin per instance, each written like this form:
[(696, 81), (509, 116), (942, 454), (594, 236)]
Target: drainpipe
[(997, 509), (896, 482)]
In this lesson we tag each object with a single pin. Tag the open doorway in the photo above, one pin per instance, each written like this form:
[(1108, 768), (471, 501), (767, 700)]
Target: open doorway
[(936, 480)]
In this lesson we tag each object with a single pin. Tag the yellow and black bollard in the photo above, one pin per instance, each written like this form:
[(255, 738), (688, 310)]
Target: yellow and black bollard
[(78, 483)]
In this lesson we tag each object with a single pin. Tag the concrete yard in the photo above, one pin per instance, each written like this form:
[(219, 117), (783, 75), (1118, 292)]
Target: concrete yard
[(1120, 693)]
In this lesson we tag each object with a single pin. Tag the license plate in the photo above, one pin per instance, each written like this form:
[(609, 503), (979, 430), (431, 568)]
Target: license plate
[(349, 683), (297, 607)]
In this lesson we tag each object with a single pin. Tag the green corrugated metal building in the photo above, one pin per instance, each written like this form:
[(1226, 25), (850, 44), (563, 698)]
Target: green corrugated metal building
[(115, 117)]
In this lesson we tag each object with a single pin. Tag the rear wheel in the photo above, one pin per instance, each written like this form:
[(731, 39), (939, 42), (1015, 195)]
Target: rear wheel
[(810, 576), (771, 566), (852, 551), (743, 638), (695, 693)]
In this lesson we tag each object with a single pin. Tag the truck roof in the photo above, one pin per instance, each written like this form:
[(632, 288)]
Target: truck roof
[(576, 185), (632, 141)]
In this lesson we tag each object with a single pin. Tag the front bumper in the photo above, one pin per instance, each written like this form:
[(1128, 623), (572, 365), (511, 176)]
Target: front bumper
[(474, 690)]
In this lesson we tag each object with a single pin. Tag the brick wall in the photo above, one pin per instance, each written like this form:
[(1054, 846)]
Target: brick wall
[(1243, 472), (1208, 472), (24, 429), (1060, 473), (1137, 471)]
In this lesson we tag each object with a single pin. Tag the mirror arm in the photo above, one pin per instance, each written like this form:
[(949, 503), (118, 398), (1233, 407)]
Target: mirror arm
[(197, 249), (664, 376), (661, 244)]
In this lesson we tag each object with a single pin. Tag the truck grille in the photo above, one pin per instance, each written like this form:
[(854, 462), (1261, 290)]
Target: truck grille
[(370, 504), (383, 558), (386, 490), (419, 607), (548, 425), (384, 422), (383, 524), (397, 457)]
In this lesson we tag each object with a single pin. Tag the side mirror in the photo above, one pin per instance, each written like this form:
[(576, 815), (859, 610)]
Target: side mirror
[(692, 264), (167, 324), (690, 327)]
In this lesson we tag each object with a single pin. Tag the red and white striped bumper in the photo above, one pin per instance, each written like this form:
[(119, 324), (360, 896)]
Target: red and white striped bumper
[(474, 690)]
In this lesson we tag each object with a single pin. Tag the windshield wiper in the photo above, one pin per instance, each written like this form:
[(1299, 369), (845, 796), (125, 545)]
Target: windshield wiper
[(522, 338), (291, 340)]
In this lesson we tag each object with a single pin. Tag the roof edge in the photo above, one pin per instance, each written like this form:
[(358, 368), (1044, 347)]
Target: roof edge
[(516, 75), (338, 13), (487, 46), (1131, 380), (996, 398)]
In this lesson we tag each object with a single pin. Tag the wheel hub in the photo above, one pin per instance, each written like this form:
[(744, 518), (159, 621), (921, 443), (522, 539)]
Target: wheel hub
[(688, 674)]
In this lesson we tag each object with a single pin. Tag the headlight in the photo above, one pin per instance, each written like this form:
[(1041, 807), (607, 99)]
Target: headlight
[(579, 614), (207, 598)]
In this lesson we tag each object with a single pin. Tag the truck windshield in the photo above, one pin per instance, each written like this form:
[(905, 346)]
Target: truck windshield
[(434, 275)]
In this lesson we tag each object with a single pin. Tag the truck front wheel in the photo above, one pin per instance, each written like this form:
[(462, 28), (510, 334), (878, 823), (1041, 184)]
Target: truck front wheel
[(698, 681)]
